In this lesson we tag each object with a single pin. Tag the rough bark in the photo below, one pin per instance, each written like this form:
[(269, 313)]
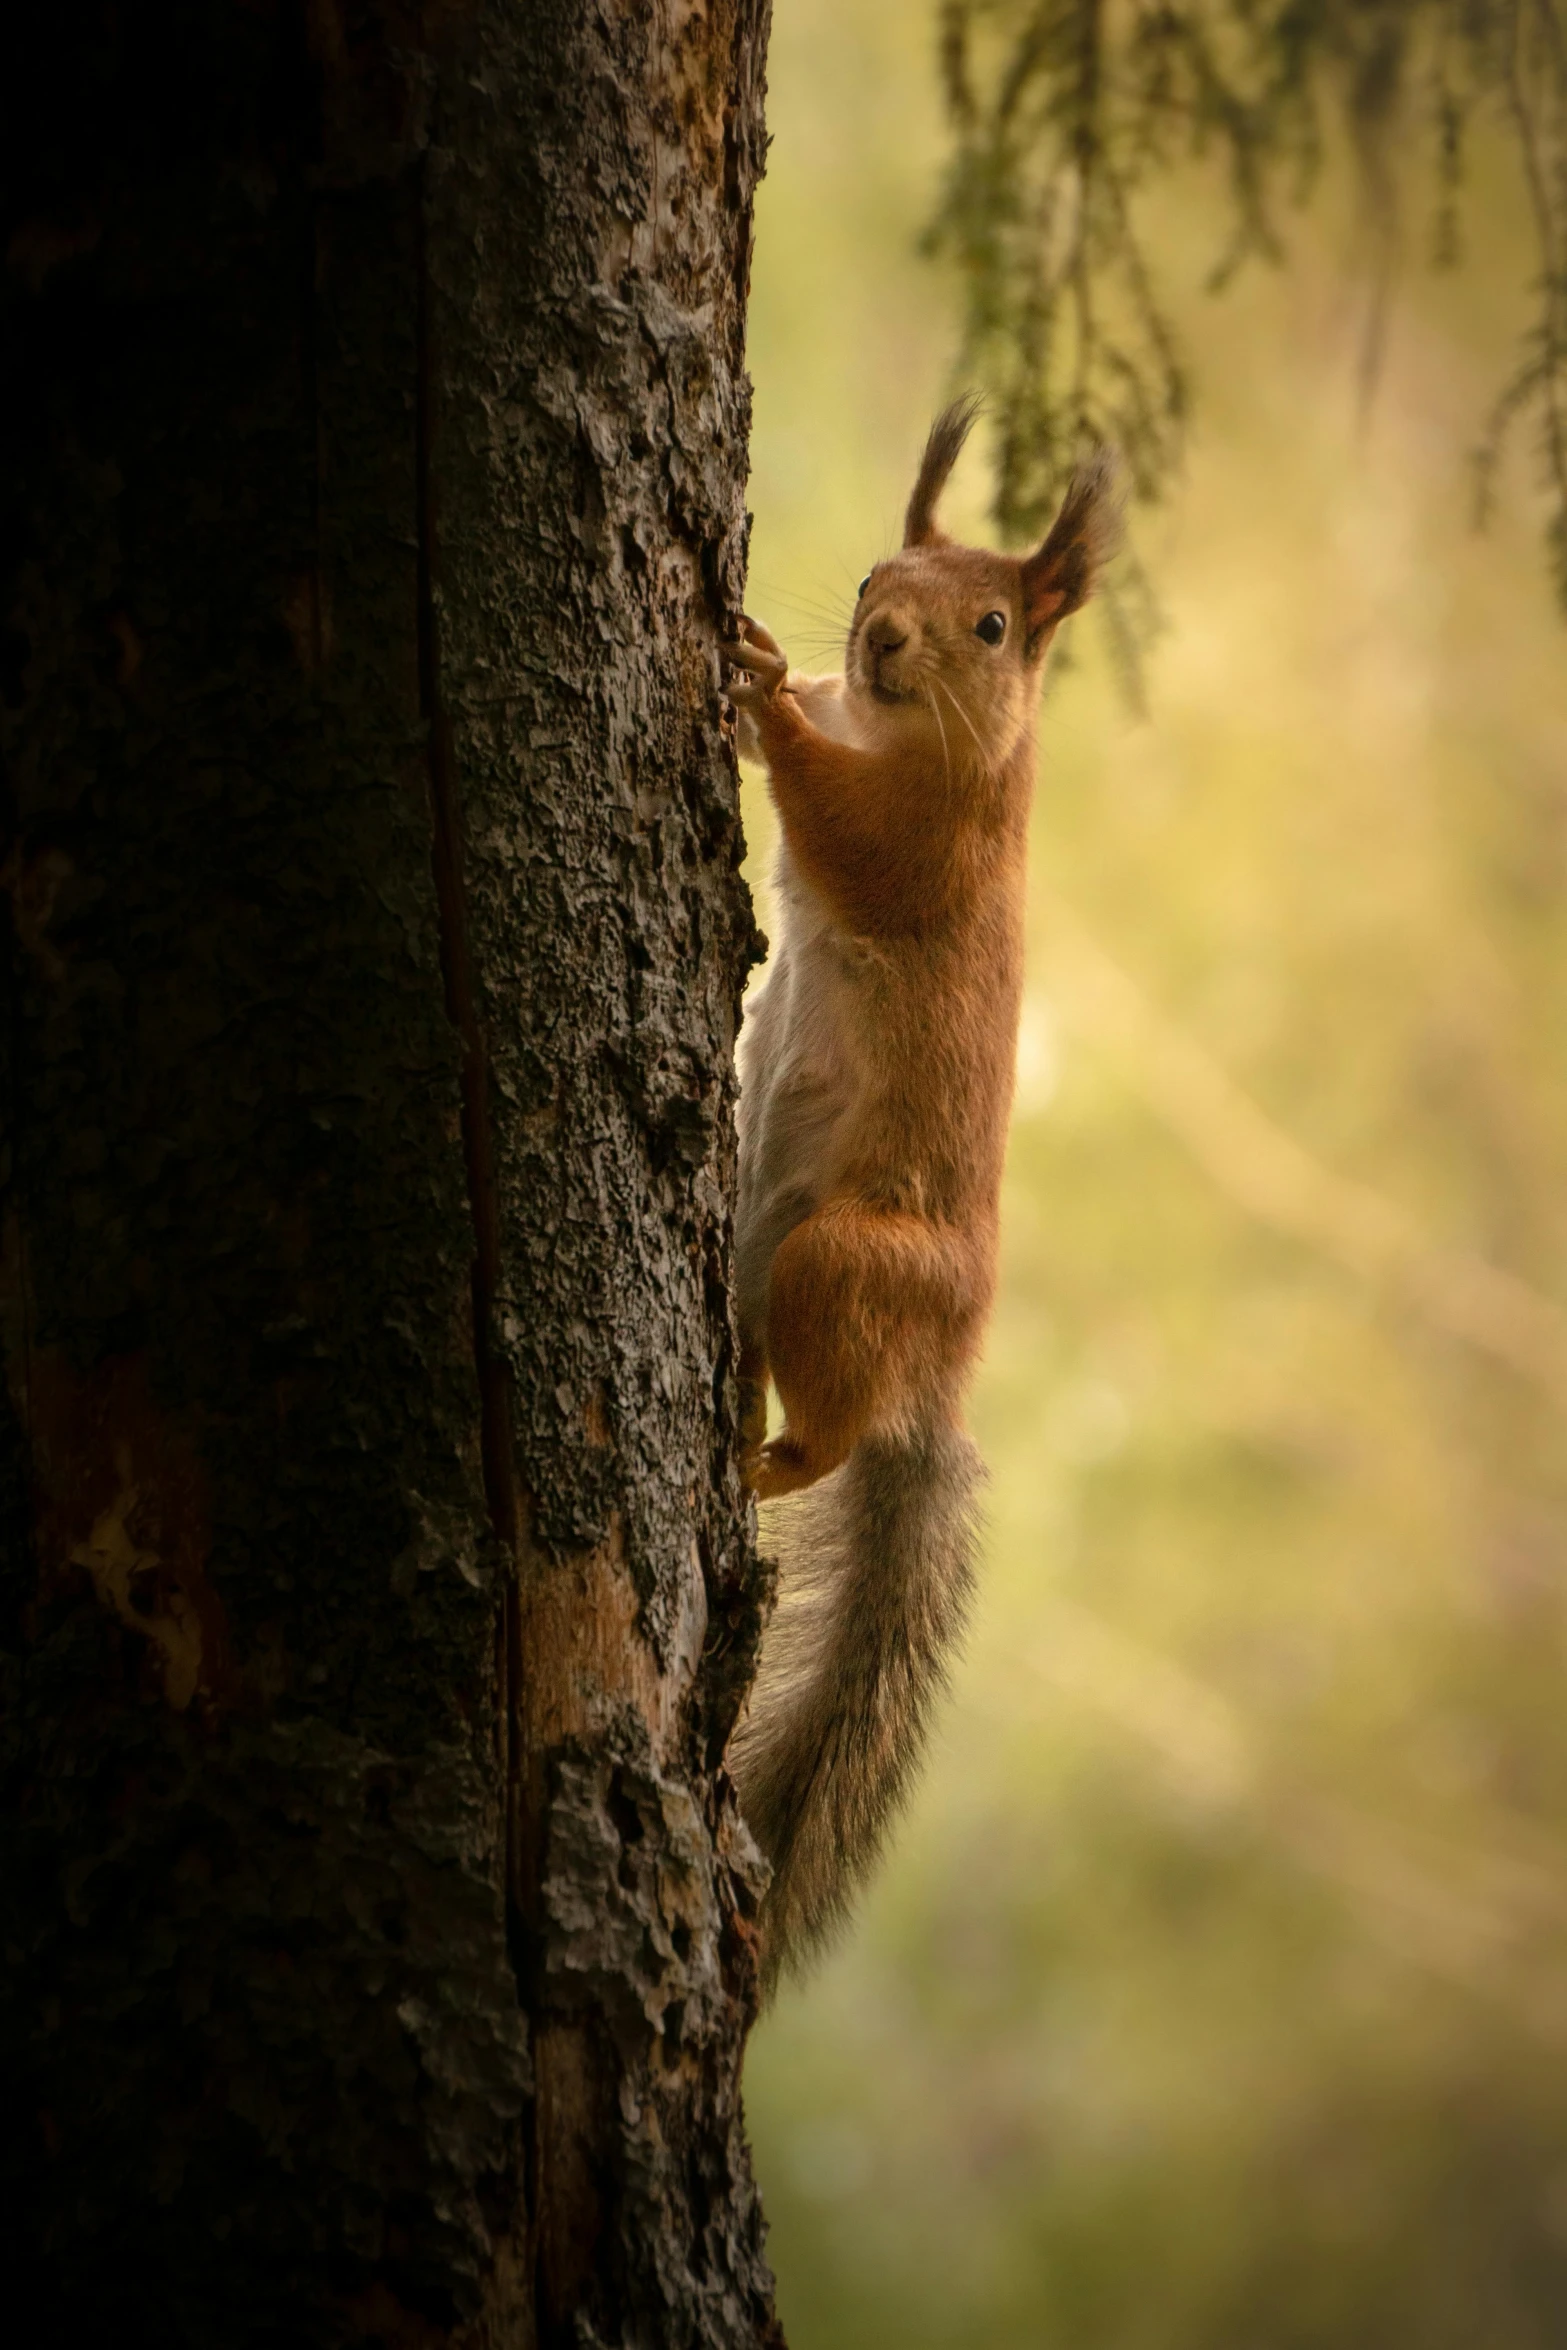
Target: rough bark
[(375, 1954)]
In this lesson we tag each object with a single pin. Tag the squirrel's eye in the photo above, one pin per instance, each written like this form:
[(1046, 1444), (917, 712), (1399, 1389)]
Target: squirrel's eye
[(865, 583), (992, 628)]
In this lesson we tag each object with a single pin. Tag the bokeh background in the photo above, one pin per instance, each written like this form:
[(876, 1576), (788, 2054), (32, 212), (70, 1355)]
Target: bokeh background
[(1215, 1996)]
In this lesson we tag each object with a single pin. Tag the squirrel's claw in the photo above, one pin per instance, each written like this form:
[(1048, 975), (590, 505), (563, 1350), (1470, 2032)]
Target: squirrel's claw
[(779, 1467), (757, 635), (761, 661)]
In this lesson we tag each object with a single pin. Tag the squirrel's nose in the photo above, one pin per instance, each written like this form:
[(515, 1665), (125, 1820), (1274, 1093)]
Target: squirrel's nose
[(885, 634)]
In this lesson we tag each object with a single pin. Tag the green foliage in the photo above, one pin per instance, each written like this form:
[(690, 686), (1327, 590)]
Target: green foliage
[(1069, 117)]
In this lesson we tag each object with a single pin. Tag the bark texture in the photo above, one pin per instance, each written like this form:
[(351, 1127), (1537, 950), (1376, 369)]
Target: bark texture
[(375, 1945)]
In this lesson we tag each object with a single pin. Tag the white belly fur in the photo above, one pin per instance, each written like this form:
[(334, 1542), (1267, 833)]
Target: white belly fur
[(802, 1066), (804, 1073)]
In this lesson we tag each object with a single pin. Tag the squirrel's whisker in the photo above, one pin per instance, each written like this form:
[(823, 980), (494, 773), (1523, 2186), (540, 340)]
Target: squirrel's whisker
[(962, 713), (946, 755), (825, 606)]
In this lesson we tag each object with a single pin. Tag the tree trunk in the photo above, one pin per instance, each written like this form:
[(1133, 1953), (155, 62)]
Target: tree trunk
[(376, 1594)]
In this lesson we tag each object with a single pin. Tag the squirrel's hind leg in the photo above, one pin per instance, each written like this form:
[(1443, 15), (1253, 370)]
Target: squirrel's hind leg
[(870, 1317)]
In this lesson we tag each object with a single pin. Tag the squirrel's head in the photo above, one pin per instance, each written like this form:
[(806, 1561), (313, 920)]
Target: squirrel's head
[(948, 640)]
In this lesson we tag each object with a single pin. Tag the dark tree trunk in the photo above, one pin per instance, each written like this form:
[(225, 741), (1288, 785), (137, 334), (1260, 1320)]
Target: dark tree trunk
[(374, 1947)]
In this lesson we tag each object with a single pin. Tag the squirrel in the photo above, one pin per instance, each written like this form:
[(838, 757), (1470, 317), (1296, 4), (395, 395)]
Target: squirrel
[(876, 1076)]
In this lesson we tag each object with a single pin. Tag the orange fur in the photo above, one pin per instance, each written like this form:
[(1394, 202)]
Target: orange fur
[(912, 838), (873, 1317), (876, 1084)]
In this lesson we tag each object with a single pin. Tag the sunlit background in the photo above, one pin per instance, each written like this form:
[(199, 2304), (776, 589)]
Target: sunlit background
[(1215, 1996)]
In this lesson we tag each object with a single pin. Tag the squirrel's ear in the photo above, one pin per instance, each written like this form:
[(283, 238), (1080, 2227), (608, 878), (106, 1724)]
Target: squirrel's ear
[(1083, 537), (947, 436)]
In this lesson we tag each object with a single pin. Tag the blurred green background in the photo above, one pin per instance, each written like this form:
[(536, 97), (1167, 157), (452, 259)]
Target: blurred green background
[(1215, 1996)]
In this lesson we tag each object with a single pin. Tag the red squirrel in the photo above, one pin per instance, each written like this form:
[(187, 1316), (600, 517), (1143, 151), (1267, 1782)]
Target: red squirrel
[(876, 1083)]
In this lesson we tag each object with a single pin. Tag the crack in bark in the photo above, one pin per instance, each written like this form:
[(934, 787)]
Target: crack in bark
[(462, 1010)]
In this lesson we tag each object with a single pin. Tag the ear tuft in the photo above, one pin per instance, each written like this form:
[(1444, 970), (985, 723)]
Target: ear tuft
[(1062, 576), (947, 436)]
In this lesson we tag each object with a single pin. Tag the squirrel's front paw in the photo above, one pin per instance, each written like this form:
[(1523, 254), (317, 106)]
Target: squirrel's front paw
[(762, 665)]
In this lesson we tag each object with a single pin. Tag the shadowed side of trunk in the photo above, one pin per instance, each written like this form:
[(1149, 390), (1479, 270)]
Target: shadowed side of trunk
[(375, 1961)]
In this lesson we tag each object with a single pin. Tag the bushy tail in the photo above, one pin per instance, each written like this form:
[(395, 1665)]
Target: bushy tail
[(875, 1570)]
